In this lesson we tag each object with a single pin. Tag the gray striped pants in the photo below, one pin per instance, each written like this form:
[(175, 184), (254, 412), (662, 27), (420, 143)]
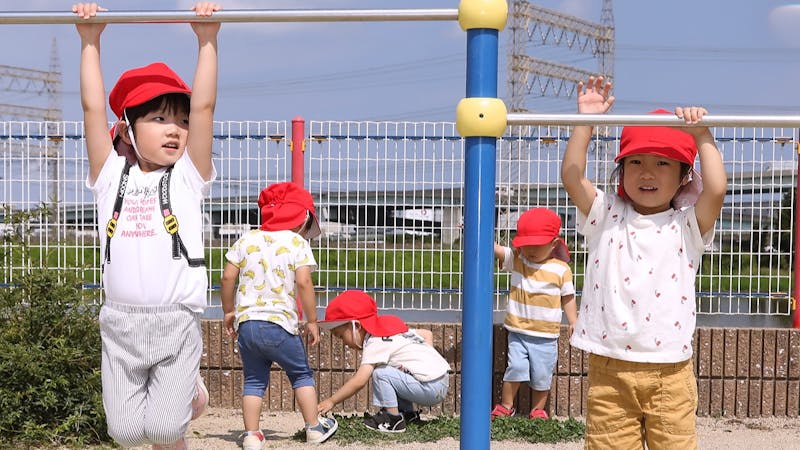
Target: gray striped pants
[(151, 358)]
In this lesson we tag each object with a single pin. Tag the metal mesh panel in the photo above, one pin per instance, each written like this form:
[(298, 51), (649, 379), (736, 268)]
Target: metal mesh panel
[(390, 198)]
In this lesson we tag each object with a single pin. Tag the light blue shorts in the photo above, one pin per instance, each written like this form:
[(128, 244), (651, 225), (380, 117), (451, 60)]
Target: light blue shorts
[(531, 359)]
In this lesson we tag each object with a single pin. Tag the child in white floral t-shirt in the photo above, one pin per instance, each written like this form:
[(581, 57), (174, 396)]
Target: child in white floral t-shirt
[(637, 312)]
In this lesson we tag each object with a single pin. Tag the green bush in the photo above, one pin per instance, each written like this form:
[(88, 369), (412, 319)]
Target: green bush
[(50, 389)]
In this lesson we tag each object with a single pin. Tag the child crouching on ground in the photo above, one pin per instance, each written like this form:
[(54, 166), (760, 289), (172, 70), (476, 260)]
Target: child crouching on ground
[(402, 363)]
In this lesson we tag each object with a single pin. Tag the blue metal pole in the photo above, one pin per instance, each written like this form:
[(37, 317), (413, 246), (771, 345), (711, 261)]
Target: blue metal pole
[(479, 206)]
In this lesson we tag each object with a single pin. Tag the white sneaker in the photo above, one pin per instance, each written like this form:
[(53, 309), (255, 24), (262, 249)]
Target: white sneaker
[(253, 441), (322, 431)]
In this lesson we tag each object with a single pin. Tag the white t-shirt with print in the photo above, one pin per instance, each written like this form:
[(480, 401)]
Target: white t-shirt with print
[(267, 261), (407, 352), (141, 270), (638, 301)]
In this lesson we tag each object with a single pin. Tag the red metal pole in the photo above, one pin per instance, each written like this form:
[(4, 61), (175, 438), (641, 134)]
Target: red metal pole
[(298, 148), (795, 230)]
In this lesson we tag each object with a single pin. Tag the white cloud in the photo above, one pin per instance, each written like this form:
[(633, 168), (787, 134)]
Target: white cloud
[(784, 22)]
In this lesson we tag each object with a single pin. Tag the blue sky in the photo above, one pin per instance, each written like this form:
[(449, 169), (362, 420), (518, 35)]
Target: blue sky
[(733, 56)]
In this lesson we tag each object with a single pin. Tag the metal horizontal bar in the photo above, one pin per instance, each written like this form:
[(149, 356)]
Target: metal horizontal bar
[(294, 15), (651, 119)]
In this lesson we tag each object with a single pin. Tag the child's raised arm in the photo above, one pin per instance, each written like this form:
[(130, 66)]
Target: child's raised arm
[(204, 91), (93, 93), (595, 98), (715, 181)]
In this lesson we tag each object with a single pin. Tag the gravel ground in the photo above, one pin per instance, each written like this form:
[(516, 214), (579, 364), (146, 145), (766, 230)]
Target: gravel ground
[(219, 429)]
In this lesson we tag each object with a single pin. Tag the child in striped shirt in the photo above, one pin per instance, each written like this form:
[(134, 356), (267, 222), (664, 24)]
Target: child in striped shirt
[(541, 286)]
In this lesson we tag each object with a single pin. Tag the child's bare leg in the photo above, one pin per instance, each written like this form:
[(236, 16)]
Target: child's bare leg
[(251, 412), (538, 399), (509, 393), (307, 400)]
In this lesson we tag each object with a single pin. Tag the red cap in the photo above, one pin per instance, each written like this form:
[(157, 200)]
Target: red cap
[(665, 142), (285, 206), (653, 140), (359, 306), (137, 86), (540, 226)]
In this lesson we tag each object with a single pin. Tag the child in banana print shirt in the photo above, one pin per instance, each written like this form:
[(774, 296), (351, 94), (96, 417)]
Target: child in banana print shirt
[(272, 267)]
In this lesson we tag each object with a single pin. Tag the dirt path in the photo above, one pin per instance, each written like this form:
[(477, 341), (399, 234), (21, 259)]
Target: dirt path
[(219, 430)]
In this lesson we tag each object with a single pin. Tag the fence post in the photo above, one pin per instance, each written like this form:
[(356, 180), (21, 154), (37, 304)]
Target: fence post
[(298, 149), (796, 277)]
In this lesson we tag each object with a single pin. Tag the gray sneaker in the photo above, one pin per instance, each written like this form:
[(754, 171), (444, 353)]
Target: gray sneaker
[(322, 431)]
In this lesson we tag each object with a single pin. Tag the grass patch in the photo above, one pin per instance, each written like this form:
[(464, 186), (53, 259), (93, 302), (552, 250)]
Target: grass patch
[(352, 430)]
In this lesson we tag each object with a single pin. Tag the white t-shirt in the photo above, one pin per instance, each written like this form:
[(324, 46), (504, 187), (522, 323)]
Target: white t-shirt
[(141, 270), (407, 352), (267, 261), (638, 300)]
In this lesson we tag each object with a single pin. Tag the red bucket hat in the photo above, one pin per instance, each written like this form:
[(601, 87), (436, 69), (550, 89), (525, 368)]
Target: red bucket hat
[(359, 306), (137, 86), (665, 142), (539, 226), (285, 206)]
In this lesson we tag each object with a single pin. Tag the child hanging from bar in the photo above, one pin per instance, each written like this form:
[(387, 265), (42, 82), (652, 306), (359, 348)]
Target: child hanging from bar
[(150, 171), (645, 241)]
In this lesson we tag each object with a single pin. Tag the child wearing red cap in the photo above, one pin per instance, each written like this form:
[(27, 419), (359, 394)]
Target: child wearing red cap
[(272, 267), (637, 313), (402, 363), (154, 278), (541, 285)]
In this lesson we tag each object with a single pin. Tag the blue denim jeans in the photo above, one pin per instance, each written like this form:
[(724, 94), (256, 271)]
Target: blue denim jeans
[(260, 344), (394, 388)]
